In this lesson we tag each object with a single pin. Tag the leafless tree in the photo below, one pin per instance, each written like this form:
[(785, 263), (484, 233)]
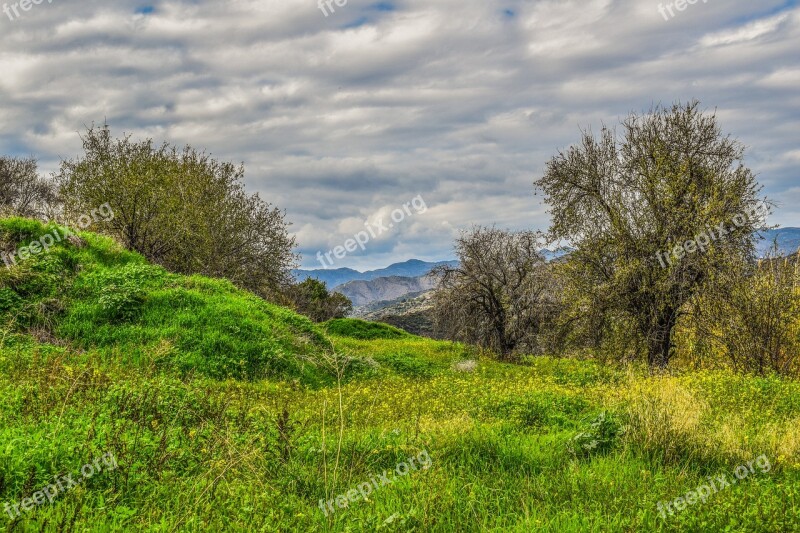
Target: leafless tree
[(498, 296), (23, 192)]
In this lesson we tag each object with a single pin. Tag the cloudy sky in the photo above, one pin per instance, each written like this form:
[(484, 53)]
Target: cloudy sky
[(341, 119)]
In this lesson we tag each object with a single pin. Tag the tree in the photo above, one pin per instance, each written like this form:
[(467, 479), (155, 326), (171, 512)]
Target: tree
[(181, 209), (311, 298), (755, 320), (655, 216), (498, 296), (22, 191)]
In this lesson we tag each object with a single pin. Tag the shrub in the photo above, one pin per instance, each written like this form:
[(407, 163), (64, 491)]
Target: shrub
[(599, 437), (408, 364), (665, 420), (359, 329), (312, 299)]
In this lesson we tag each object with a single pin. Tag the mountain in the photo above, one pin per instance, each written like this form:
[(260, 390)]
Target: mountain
[(331, 278), (334, 277), (788, 240), (411, 313), (388, 288), (379, 288)]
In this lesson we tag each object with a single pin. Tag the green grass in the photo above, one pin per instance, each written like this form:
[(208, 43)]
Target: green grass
[(226, 413), (100, 296), (358, 329)]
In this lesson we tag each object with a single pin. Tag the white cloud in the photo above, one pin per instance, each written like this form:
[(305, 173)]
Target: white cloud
[(462, 101), (751, 31)]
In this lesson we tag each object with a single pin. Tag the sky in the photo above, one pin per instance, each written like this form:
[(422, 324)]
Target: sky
[(342, 115)]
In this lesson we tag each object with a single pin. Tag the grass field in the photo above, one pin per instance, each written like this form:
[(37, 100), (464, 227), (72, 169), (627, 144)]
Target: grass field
[(226, 413)]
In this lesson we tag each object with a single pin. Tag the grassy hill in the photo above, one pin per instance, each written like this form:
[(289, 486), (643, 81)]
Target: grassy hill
[(88, 292), (226, 413)]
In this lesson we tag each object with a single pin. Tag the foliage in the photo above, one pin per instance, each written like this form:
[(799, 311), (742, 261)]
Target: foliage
[(359, 329), (622, 201), (599, 437), (200, 451), (196, 453), (407, 364), (181, 209), (755, 321), (98, 296), (23, 192), (312, 299)]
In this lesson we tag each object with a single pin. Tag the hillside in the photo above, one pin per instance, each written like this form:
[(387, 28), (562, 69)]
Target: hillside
[(226, 413), (411, 313), (89, 293), (363, 293)]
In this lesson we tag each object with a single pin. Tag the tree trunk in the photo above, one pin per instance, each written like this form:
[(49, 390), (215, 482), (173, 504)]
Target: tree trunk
[(660, 340)]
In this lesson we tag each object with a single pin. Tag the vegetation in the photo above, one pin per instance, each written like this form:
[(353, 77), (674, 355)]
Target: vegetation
[(312, 299), (22, 191), (754, 324), (225, 412), (498, 297), (358, 329), (181, 209), (626, 202), (91, 293)]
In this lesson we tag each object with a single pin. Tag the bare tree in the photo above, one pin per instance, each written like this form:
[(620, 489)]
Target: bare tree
[(653, 216), (497, 297), (22, 191)]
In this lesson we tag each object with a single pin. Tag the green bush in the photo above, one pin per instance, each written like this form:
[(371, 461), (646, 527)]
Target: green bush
[(598, 438), (360, 329), (406, 364)]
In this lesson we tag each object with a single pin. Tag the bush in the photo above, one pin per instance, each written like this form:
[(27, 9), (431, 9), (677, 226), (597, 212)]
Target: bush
[(599, 437), (359, 329), (665, 420), (198, 219), (408, 365), (312, 299)]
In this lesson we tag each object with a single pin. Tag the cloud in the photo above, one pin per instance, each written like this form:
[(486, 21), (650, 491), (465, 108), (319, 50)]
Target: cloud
[(754, 30), (338, 118)]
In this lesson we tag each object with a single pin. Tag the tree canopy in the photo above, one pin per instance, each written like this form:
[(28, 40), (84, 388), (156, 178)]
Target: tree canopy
[(181, 208), (655, 213)]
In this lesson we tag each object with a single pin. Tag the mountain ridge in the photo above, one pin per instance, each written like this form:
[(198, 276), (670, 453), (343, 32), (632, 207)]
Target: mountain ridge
[(388, 288), (412, 268)]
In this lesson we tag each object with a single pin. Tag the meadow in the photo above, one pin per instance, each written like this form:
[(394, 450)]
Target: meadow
[(227, 413)]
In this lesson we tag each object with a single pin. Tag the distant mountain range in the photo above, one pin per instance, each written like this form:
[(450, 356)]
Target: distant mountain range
[(412, 268), (788, 240), (399, 290), (363, 293)]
